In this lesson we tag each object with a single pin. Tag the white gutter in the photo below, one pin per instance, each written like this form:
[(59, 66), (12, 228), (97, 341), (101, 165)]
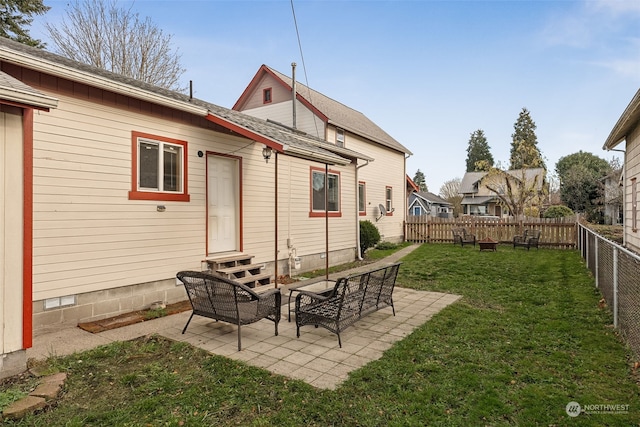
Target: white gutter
[(59, 70), (28, 98)]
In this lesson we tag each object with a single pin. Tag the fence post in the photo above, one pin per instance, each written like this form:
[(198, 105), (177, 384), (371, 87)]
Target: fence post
[(615, 287), (597, 259)]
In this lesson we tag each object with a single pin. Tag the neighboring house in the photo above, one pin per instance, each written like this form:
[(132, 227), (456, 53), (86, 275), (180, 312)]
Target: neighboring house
[(627, 129), (380, 181), (425, 203), (613, 191), (481, 201), (110, 186)]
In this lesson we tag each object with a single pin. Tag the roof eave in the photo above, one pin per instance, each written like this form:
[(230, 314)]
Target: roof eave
[(629, 118), (60, 70)]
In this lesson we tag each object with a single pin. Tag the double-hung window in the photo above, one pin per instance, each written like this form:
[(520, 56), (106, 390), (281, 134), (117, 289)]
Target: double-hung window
[(340, 137), (362, 196), (159, 168), (389, 200), (322, 191)]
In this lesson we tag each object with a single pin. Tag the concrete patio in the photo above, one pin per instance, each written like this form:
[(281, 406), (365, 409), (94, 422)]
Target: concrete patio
[(315, 357)]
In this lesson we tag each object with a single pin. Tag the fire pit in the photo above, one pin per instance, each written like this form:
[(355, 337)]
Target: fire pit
[(488, 244)]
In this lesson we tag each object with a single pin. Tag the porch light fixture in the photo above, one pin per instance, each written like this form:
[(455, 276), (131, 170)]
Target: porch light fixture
[(266, 153)]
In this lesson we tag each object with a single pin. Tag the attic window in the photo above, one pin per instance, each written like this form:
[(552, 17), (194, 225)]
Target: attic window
[(340, 137), (266, 96)]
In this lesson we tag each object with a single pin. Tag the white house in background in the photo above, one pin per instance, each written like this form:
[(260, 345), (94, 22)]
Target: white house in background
[(380, 181), (110, 186), (627, 129)]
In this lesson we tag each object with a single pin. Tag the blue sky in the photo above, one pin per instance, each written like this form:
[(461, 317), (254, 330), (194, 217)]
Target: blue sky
[(427, 72)]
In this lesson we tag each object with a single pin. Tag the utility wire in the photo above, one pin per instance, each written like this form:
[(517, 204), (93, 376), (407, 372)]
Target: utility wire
[(304, 67)]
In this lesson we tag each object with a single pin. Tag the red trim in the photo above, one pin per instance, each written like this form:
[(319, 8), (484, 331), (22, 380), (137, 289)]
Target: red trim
[(412, 184), (135, 194), (24, 106), (267, 99), (322, 214), (245, 132), (364, 201), (389, 212), (240, 204), (27, 241)]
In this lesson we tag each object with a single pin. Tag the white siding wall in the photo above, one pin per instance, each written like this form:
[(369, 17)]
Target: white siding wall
[(388, 169), (632, 171), (282, 112), (88, 235), (11, 228)]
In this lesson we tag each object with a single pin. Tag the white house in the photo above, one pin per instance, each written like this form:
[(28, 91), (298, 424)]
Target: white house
[(380, 179), (110, 186), (627, 130)]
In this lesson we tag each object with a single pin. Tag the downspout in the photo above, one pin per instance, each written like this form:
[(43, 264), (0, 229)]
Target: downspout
[(326, 221), (406, 201), (275, 268), (624, 193), (358, 253)]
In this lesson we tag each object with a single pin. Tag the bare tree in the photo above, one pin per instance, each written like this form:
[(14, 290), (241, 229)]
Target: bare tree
[(450, 191), (99, 33)]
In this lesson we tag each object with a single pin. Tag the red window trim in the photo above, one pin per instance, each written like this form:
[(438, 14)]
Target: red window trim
[(135, 194), (264, 95), (364, 201), (322, 214), (389, 208)]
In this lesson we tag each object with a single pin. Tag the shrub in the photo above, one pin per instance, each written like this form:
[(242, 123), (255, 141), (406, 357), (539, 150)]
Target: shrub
[(557, 211), (384, 246), (369, 235)]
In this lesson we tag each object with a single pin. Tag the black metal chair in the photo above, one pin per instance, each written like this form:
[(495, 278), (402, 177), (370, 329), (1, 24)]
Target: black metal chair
[(529, 239), (223, 299)]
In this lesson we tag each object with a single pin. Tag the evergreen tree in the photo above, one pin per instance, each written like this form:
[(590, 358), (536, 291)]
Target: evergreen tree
[(15, 15), (479, 156), (418, 178), (524, 147)]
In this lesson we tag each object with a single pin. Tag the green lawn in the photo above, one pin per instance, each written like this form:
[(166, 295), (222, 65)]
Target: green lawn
[(527, 338)]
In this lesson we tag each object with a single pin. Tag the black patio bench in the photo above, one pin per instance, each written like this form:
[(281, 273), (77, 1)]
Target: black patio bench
[(352, 298), (224, 299)]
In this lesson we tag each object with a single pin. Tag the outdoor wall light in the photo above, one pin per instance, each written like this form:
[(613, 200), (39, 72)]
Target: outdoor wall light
[(266, 153)]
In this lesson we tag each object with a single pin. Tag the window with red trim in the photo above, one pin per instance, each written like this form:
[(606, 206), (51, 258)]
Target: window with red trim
[(266, 95), (389, 200), (319, 193), (159, 168), (362, 198)]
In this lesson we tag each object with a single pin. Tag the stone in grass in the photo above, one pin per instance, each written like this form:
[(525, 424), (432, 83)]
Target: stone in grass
[(20, 408)]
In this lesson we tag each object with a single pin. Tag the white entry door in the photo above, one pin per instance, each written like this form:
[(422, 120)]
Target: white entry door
[(223, 204)]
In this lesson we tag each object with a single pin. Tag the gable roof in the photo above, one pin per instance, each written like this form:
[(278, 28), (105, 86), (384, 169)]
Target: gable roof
[(261, 131), (629, 119), (432, 198), (329, 110)]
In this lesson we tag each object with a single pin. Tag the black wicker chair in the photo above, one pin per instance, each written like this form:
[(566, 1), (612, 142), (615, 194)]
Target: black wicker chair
[(352, 298), (223, 299), (529, 239)]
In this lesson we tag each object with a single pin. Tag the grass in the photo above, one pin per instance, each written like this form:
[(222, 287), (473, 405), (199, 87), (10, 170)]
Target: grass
[(527, 338)]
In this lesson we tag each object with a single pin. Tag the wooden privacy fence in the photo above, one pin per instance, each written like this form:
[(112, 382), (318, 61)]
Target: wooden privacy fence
[(555, 232)]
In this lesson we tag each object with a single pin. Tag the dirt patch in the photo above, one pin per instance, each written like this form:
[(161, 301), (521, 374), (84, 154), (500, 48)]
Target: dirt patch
[(133, 317)]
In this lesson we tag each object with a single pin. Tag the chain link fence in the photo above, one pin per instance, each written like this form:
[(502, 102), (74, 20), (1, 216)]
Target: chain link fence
[(617, 273)]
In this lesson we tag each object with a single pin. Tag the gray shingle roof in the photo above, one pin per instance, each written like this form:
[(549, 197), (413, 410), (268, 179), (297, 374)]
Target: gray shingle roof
[(342, 116), (294, 143), (14, 90)]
